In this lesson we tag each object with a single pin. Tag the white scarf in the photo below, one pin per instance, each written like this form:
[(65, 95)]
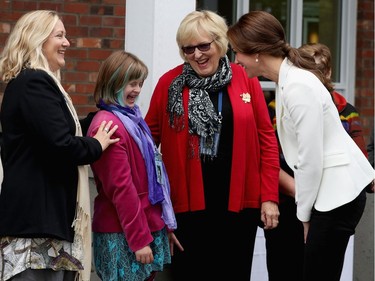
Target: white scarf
[(81, 247)]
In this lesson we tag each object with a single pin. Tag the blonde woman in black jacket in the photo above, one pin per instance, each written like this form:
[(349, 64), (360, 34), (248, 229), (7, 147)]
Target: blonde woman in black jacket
[(45, 224)]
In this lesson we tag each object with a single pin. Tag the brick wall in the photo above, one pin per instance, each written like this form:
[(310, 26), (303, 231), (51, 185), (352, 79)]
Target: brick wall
[(94, 29), (364, 87)]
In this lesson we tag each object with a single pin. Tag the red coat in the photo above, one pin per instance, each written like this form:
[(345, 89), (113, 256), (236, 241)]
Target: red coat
[(255, 161)]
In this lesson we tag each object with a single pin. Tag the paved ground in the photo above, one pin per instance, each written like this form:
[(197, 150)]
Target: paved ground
[(94, 277)]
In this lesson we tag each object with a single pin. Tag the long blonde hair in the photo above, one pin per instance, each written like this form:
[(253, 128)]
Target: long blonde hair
[(23, 48)]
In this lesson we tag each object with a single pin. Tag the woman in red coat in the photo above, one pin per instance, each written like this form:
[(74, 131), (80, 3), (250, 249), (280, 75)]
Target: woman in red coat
[(220, 153)]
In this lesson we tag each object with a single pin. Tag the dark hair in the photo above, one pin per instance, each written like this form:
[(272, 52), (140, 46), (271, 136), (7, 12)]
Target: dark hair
[(260, 32)]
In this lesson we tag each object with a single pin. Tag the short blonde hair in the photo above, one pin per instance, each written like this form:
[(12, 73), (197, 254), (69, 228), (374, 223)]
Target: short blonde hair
[(204, 22), (24, 44)]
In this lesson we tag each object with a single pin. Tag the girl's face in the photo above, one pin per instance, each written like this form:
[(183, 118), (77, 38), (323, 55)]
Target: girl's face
[(131, 92), (204, 62), (55, 46)]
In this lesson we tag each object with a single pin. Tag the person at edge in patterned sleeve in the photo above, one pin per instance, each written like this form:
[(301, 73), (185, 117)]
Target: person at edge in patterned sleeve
[(133, 215), (45, 220), (330, 170), (220, 152)]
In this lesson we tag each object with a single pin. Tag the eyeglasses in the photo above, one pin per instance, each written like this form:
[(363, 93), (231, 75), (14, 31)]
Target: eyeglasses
[(201, 47)]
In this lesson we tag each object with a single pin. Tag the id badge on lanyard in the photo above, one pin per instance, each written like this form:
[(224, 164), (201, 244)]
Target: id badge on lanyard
[(159, 166)]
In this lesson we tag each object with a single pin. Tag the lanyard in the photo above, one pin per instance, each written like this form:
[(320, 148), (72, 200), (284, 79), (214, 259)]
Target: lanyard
[(219, 106)]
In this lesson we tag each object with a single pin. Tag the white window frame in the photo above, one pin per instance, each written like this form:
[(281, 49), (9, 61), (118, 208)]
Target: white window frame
[(346, 83)]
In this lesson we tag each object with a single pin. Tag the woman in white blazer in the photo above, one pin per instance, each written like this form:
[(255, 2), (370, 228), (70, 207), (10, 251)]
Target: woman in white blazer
[(330, 171)]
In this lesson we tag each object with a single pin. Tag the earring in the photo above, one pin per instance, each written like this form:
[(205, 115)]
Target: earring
[(256, 60)]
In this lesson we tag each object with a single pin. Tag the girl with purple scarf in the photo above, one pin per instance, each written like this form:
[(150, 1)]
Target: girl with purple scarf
[(133, 219)]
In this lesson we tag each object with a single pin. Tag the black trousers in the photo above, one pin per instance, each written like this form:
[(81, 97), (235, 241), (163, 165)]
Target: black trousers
[(285, 245), (328, 238), (218, 246)]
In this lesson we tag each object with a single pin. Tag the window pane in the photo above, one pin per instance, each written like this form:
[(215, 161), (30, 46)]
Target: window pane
[(278, 8), (226, 9), (322, 23)]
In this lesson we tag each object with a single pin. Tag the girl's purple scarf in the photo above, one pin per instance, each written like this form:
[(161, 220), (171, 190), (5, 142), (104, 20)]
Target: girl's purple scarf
[(132, 119)]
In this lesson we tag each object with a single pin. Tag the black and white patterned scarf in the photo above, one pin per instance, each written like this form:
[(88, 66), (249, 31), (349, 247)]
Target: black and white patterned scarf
[(202, 116)]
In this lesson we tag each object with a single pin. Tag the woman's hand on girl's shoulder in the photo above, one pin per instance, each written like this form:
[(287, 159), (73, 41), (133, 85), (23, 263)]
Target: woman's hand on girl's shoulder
[(104, 133)]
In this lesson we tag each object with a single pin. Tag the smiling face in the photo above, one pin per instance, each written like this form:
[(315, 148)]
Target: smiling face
[(55, 46), (131, 92), (248, 62), (204, 63)]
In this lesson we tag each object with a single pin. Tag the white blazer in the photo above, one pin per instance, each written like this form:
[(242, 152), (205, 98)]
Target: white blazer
[(329, 168)]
